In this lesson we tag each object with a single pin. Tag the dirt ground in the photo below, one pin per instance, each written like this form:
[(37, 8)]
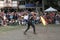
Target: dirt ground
[(52, 33)]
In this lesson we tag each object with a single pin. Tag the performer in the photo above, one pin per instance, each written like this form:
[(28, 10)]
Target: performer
[(30, 23)]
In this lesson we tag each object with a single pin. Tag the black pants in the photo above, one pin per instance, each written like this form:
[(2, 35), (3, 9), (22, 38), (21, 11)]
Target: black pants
[(28, 27)]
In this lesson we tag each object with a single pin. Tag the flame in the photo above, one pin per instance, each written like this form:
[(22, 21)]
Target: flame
[(43, 21)]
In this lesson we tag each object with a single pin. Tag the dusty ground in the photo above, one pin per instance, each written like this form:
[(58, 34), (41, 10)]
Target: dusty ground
[(53, 33)]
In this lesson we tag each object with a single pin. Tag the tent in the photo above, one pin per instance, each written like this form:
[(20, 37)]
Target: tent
[(50, 9)]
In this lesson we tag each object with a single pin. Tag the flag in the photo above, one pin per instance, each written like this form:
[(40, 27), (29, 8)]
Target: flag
[(43, 21)]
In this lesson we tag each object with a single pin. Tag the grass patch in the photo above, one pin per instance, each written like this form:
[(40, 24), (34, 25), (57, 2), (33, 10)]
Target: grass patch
[(14, 27), (48, 25), (9, 28)]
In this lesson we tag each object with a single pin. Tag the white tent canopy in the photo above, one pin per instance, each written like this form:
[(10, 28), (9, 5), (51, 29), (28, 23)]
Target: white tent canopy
[(50, 9)]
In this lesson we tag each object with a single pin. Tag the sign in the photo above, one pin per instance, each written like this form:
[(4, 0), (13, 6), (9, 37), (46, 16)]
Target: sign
[(7, 3), (1, 4), (14, 4)]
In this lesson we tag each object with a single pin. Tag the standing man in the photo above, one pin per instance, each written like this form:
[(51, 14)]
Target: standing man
[(30, 23)]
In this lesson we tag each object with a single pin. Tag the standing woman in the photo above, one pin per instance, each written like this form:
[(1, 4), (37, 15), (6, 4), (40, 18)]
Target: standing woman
[(30, 23)]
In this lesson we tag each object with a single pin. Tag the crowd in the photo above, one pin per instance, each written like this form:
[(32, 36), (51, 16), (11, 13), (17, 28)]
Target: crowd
[(52, 18), (22, 17), (16, 17)]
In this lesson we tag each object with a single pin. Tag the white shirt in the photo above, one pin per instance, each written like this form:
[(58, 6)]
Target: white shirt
[(26, 17), (37, 18), (4, 17)]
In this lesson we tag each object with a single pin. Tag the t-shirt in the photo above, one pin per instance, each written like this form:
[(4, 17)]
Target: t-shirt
[(30, 19), (26, 17)]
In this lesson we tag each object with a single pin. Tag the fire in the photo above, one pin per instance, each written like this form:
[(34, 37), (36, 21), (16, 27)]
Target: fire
[(43, 21)]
